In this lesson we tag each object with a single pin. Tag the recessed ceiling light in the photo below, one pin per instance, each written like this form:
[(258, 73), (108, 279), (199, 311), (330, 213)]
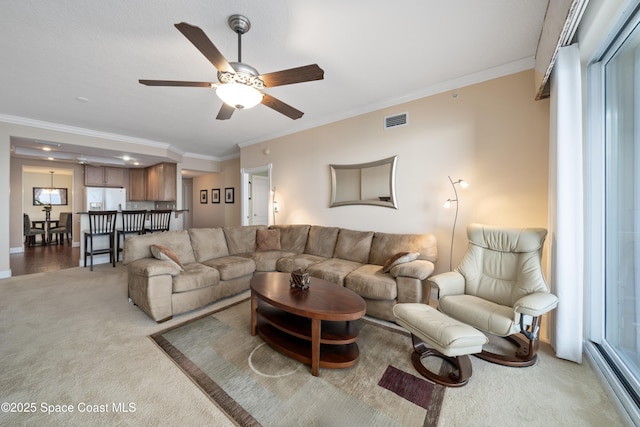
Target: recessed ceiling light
[(136, 163), (126, 158), (82, 99), (50, 158), (46, 148)]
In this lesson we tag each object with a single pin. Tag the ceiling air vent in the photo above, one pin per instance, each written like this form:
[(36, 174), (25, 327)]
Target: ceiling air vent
[(395, 121)]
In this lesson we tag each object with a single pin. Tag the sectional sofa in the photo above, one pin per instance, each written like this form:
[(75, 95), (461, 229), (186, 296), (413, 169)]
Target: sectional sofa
[(178, 271)]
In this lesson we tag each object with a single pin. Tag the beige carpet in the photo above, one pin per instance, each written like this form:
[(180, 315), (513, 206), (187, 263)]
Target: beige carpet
[(72, 338)]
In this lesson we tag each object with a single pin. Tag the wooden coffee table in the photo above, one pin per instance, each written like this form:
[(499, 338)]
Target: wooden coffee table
[(313, 326)]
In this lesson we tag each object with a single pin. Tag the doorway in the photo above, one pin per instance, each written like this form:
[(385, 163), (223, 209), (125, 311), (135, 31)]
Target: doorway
[(256, 185), (187, 202), (50, 257)]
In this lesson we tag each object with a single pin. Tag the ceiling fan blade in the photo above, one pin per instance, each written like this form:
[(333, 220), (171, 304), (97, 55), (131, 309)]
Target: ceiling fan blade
[(174, 83), (293, 75), (225, 112), (281, 107), (200, 40)]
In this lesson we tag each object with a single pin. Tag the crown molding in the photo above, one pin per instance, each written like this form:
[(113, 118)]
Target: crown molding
[(39, 124)]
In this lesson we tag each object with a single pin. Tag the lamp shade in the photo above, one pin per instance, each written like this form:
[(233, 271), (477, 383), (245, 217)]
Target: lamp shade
[(239, 95)]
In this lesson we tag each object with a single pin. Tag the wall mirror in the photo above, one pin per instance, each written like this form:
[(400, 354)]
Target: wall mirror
[(372, 183)]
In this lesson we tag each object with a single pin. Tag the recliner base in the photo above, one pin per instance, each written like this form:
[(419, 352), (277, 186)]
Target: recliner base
[(525, 354), (453, 379)]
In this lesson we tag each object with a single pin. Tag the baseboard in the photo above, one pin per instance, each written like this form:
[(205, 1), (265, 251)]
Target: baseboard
[(17, 250), (5, 274)]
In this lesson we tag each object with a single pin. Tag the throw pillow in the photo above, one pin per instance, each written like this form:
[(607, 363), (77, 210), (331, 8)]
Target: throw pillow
[(268, 240), (399, 258), (165, 254)]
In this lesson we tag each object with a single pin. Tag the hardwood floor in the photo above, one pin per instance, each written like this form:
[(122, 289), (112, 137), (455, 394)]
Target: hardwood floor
[(38, 259)]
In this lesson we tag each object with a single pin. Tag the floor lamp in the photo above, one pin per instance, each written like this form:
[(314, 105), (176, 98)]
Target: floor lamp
[(447, 204)]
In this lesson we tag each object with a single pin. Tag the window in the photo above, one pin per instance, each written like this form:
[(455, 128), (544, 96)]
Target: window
[(613, 161)]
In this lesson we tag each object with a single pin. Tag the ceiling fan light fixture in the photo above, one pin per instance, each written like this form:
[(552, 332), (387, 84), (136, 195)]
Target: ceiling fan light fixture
[(239, 95)]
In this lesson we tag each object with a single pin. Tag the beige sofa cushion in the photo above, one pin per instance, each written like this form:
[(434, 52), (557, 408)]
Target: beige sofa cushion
[(294, 262), (266, 260), (353, 245), (268, 240), (386, 245), (370, 282), (136, 247), (293, 238), (232, 267), (322, 241), (208, 243), (333, 270), (195, 276), (242, 239)]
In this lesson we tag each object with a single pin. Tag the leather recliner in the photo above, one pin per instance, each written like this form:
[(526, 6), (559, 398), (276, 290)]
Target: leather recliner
[(499, 288)]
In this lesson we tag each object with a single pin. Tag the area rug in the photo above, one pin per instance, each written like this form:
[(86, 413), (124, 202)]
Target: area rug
[(257, 386)]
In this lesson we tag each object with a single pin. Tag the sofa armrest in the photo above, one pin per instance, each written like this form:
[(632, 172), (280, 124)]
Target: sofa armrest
[(418, 269), (149, 267), (450, 283), (536, 304)]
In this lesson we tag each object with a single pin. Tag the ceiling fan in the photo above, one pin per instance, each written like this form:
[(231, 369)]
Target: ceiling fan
[(239, 84)]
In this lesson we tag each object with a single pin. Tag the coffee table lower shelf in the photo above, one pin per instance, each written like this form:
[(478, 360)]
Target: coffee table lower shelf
[(291, 335)]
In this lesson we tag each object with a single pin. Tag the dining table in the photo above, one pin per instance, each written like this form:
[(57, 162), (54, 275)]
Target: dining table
[(46, 225)]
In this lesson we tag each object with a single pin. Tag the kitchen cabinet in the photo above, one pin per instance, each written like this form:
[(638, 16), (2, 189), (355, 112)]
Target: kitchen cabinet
[(103, 176), (137, 184), (161, 182)]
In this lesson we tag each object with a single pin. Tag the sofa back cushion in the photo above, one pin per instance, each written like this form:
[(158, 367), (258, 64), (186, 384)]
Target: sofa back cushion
[(137, 247), (293, 238), (322, 241), (208, 243), (353, 245), (386, 245), (242, 239)]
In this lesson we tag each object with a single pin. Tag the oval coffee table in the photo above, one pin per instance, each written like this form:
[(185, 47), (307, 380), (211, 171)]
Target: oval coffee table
[(313, 326)]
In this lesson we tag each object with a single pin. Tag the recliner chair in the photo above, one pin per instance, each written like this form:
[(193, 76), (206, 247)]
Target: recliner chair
[(499, 288)]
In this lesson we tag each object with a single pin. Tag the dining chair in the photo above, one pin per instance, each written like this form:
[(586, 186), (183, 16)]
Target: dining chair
[(64, 228), (101, 223), (30, 232), (132, 223), (159, 220)]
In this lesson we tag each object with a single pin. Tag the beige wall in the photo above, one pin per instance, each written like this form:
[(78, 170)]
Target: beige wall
[(492, 134), (217, 214)]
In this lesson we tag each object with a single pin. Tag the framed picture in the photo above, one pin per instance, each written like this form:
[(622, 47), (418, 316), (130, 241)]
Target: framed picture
[(203, 196), (215, 195), (228, 195), (49, 196)]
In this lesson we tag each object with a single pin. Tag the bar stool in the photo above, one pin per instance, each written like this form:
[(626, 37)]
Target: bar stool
[(101, 223), (132, 223), (160, 219)]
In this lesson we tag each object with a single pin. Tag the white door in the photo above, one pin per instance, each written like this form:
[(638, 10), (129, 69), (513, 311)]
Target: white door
[(260, 200)]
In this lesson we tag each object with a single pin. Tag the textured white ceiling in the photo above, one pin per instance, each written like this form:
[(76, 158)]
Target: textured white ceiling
[(374, 54)]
